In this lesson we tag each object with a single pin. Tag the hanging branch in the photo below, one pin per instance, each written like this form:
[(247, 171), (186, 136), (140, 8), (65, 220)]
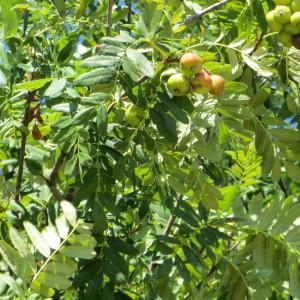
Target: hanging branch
[(109, 17), (204, 12), (25, 122)]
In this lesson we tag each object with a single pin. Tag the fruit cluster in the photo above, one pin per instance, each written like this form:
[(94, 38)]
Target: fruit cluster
[(194, 77), (285, 19)]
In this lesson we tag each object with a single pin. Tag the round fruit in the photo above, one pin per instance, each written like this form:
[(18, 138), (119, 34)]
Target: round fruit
[(178, 85), (190, 64), (283, 2), (285, 39), (202, 83), (296, 41), (282, 14), (295, 19), (295, 5), (134, 115), (218, 84), (291, 29), (273, 25)]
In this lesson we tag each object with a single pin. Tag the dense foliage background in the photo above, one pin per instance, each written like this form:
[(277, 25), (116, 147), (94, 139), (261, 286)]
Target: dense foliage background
[(197, 199)]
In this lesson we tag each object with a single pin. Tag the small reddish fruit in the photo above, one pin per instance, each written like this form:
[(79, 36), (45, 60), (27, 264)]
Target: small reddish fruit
[(190, 64), (202, 83), (218, 85)]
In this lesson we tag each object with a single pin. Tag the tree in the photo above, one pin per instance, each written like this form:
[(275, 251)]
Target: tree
[(112, 188)]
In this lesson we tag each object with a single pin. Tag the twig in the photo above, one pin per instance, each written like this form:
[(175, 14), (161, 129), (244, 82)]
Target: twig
[(109, 17), (167, 229), (257, 43), (129, 4), (204, 12), (51, 182), (172, 218)]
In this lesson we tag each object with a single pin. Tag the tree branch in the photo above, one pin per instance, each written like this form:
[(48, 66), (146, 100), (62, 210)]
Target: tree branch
[(204, 12), (109, 17)]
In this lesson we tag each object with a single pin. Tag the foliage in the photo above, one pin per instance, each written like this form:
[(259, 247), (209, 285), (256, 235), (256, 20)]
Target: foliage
[(197, 198)]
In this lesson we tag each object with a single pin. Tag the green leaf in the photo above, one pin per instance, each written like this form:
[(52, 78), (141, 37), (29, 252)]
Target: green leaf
[(258, 67), (33, 85), (285, 134), (60, 6), (84, 116), (53, 280), (122, 246), (78, 252), (51, 236), (235, 87), (61, 268), (102, 120), (294, 277), (12, 258), (22, 247), (12, 283), (8, 17), (69, 211), (234, 62), (3, 79), (293, 171), (56, 87), (37, 239), (100, 61), (136, 65), (96, 76)]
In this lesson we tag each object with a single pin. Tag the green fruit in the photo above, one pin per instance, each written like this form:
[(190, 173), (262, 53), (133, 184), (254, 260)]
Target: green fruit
[(273, 25), (283, 2), (282, 14), (190, 64), (296, 41), (134, 115), (178, 85), (295, 6), (295, 19), (285, 39), (202, 83), (291, 29)]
